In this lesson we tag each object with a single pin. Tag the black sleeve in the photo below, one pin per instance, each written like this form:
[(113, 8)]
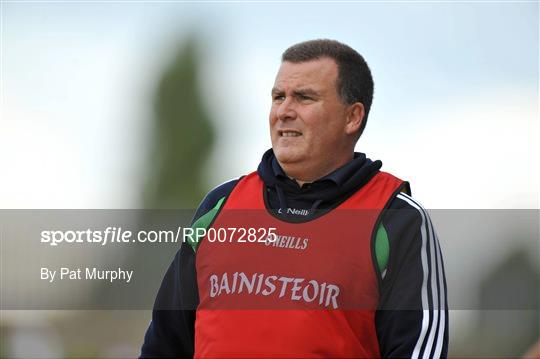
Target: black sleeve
[(171, 331), (412, 320)]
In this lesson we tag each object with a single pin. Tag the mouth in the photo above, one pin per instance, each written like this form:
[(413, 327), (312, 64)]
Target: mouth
[(289, 133)]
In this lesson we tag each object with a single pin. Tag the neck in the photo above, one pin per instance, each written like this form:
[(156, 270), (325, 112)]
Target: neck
[(304, 173)]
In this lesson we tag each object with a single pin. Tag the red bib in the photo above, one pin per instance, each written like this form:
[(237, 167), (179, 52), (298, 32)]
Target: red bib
[(270, 288)]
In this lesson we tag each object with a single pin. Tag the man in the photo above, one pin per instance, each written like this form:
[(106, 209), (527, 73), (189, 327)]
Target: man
[(355, 269)]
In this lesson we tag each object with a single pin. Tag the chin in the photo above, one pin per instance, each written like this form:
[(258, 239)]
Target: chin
[(286, 156)]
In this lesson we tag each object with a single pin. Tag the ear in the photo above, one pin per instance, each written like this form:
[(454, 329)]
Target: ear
[(355, 117)]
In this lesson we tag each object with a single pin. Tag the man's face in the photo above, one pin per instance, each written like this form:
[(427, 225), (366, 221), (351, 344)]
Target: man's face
[(307, 118)]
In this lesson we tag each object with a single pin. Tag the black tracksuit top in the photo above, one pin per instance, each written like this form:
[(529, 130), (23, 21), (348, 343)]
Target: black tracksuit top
[(412, 319)]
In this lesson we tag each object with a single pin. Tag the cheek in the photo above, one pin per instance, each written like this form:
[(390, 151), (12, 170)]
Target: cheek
[(272, 117), (323, 133), (317, 126)]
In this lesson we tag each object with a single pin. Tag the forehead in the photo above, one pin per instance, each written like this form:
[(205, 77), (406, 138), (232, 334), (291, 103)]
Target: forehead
[(318, 74)]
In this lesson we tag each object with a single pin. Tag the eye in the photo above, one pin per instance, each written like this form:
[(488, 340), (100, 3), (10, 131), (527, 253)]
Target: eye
[(304, 98), (278, 97)]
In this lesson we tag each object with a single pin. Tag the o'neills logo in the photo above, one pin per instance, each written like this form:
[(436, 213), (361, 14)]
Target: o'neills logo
[(287, 242), (296, 212), (286, 288)]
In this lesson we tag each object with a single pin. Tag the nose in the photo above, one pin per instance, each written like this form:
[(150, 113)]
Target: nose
[(286, 110)]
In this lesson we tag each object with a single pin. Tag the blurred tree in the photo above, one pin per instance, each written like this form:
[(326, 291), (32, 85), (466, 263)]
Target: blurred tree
[(181, 143), (183, 136)]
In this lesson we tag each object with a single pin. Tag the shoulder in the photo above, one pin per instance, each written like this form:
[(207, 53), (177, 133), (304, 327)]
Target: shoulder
[(405, 211), (405, 201), (411, 235), (407, 225), (213, 197)]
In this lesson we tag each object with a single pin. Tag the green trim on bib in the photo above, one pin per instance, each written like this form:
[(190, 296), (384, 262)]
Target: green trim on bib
[(203, 222), (382, 247)]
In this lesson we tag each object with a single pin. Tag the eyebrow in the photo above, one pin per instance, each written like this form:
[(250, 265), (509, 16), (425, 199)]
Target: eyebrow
[(276, 91), (301, 91)]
